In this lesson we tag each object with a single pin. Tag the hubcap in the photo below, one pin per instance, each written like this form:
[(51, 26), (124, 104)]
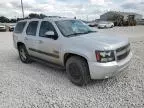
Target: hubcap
[(23, 54)]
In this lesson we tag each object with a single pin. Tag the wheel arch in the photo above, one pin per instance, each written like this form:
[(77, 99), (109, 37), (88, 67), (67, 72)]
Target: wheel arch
[(68, 55), (19, 44)]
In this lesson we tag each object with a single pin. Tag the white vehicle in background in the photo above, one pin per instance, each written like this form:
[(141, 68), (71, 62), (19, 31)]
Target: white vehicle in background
[(93, 24), (105, 24), (2, 27), (11, 27)]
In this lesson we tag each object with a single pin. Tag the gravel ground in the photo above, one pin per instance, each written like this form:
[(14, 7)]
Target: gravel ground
[(39, 86)]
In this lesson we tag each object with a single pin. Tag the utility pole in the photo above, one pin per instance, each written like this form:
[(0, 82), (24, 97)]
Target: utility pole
[(87, 17), (22, 8)]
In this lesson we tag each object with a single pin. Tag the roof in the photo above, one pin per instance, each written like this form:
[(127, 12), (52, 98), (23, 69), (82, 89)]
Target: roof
[(48, 19), (57, 19)]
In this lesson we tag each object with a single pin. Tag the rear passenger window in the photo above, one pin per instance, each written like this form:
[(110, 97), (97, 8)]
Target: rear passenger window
[(19, 27), (32, 28)]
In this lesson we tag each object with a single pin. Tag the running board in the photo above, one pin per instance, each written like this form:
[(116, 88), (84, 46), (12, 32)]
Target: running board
[(53, 65)]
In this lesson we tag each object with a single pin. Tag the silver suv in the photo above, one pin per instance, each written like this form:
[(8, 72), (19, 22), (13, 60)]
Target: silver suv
[(85, 54)]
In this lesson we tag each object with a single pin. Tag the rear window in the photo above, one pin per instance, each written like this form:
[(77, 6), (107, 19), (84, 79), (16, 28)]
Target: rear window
[(19, 27)]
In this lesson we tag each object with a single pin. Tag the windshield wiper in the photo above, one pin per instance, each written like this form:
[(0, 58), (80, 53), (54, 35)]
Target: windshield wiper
[(74, 34), (89, 32)]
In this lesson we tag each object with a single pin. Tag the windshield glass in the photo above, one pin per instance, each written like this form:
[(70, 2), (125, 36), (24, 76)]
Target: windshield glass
[(12, 24), (1, 24), (73, 27)]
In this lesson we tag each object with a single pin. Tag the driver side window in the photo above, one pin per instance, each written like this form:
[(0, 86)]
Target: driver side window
[(45, 27)]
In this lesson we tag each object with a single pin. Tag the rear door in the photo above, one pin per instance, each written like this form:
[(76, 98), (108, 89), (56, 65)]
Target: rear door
[(31, 37), (18, 32)]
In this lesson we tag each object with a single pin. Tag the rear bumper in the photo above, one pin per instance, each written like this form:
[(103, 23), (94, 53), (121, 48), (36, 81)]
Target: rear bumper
[(107, 70)]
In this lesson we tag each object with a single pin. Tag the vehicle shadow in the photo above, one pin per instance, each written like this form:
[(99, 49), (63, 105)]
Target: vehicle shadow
[(49, 70), (2, 30), (109, 82)]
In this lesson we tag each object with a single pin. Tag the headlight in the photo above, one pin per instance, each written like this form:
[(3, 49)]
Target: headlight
[(4, 27), (105, 56)]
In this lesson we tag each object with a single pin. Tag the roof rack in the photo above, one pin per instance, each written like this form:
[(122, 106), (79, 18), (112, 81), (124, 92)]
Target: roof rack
[(53, 17)]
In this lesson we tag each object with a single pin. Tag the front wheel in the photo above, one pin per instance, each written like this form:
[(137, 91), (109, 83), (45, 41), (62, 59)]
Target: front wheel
[(24, 56), (77, 70)]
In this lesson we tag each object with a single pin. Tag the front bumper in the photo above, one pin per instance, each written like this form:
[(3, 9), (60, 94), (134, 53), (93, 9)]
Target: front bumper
[(11, 29), (107, 70), (101, 26), (2, 29)]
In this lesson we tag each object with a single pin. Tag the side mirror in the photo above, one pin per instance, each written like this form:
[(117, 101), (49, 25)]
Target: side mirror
[(51, 34)]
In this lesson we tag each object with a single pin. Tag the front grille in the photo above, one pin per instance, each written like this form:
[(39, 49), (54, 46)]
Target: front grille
[(122, 52), (122, 48), (123, 56)]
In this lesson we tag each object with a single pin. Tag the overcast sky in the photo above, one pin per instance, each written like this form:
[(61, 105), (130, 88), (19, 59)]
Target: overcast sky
[(70, 8)]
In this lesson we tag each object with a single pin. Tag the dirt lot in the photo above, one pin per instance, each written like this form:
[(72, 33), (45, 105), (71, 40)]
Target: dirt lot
[(39, 86)]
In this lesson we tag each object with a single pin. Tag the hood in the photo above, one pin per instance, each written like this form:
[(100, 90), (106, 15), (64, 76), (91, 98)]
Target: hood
[(100, 41), (2, 26)]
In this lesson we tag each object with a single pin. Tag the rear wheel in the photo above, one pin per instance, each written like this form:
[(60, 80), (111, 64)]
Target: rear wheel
[(77, 70), (24, 56)]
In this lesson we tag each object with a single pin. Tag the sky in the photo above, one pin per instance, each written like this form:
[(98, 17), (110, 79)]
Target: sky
[(82, 9)]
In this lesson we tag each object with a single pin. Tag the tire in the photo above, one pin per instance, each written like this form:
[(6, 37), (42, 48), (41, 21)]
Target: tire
[(23, 54), (77, 70), (9, 30)]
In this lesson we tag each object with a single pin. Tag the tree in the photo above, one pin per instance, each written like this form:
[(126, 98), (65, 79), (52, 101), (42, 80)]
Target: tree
[(42, 16), (33, 15), (12, 20), (4, 19)]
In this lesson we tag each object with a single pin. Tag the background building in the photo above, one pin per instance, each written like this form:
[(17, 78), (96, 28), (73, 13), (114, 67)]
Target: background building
[(111, 15)]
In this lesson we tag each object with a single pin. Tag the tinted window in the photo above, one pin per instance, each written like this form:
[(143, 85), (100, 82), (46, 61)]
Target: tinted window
[(19, 27), (32, 28), (46, 26)]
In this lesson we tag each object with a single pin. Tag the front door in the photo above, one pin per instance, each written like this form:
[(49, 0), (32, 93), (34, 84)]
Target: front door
[(49, 48)]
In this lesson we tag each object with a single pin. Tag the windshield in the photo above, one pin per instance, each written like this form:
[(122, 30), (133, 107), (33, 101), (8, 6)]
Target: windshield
[(1, 24), (73, 27), (12, 24)]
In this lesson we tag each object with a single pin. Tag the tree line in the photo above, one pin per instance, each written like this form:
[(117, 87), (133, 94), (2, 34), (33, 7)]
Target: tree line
[(4, 19)]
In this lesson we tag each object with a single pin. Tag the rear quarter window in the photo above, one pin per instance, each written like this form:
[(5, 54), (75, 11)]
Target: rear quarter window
[(32, 28), (19, 27)]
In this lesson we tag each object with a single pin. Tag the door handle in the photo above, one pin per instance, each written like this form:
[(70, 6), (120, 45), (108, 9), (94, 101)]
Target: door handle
[(40, 41), (26, 38)]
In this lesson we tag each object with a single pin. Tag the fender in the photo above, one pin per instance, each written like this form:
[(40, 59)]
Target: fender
[(77, 51)]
